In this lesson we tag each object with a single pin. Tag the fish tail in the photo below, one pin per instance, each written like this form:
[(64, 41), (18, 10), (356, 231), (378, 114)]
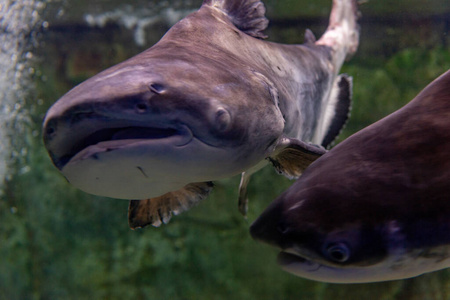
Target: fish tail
[(342, 34)]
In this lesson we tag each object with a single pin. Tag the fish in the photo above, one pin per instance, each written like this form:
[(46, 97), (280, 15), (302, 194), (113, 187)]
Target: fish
[(376, 207), (212, 99)]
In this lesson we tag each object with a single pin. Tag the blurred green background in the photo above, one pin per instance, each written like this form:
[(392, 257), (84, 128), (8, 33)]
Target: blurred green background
[(59, 243)]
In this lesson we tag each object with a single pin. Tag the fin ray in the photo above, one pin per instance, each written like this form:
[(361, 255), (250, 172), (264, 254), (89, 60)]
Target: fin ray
[(247, 15), (339, 108), (159, 210), (291, 156), (243, 193)]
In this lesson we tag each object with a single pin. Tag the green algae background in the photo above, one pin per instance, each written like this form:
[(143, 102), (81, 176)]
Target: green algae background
[(59, 243)]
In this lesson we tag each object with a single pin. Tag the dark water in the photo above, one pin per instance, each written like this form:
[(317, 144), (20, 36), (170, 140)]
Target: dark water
[(60, 243)]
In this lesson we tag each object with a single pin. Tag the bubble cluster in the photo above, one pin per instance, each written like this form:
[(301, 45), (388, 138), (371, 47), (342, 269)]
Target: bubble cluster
[(18, 21)]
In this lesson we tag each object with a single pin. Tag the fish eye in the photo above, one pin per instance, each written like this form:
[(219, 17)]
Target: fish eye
[(282, 227), (337, 252)]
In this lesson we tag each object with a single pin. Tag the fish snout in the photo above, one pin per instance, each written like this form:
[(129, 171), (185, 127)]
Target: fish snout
[(57, 119), (60, 121), (49, 134), (270, 227), (50, 129)]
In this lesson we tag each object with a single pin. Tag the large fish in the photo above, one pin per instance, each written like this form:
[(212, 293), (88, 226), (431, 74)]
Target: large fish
[(210, 100), (377, 206)]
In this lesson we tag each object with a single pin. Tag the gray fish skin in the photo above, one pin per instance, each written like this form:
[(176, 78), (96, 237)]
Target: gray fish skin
[(210, 100), (377, 206)]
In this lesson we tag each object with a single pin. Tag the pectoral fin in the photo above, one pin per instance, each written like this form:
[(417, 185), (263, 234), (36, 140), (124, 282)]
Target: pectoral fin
[(245, 180), (159, 210), (292, 156), (243, 194)]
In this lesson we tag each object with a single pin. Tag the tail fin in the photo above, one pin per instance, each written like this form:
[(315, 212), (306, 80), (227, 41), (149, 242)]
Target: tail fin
[(342, 34)]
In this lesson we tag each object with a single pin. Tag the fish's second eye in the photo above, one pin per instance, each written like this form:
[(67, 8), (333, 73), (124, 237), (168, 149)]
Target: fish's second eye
[(156, 88), (222, 119), (338, 252)]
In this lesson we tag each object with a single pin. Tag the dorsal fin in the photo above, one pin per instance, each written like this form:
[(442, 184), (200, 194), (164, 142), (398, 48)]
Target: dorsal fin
[(310, 38), (340, 107), (247, 15)]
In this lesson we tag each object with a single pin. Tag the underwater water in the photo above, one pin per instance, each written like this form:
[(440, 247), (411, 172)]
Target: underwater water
[(57, 242)]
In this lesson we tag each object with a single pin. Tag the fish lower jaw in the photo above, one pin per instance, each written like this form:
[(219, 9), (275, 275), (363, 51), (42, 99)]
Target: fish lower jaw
[(393, 267), (289, 258)]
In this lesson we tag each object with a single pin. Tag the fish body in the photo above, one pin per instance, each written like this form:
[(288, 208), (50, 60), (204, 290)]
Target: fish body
[(210, 100), (377, 206)]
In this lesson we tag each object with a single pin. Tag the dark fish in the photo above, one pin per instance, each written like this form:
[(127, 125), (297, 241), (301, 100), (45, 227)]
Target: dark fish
[(377, 206), (210, 100)]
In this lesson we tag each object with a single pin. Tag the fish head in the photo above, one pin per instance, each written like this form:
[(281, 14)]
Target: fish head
[(157, 122), (326, 238)]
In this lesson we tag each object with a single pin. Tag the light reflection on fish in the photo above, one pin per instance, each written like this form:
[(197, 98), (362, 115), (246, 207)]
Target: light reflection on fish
[(209, 101), (377, 206)]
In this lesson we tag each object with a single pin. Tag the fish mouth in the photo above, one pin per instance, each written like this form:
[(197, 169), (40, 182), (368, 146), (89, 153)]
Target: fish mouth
[(111, 139)]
